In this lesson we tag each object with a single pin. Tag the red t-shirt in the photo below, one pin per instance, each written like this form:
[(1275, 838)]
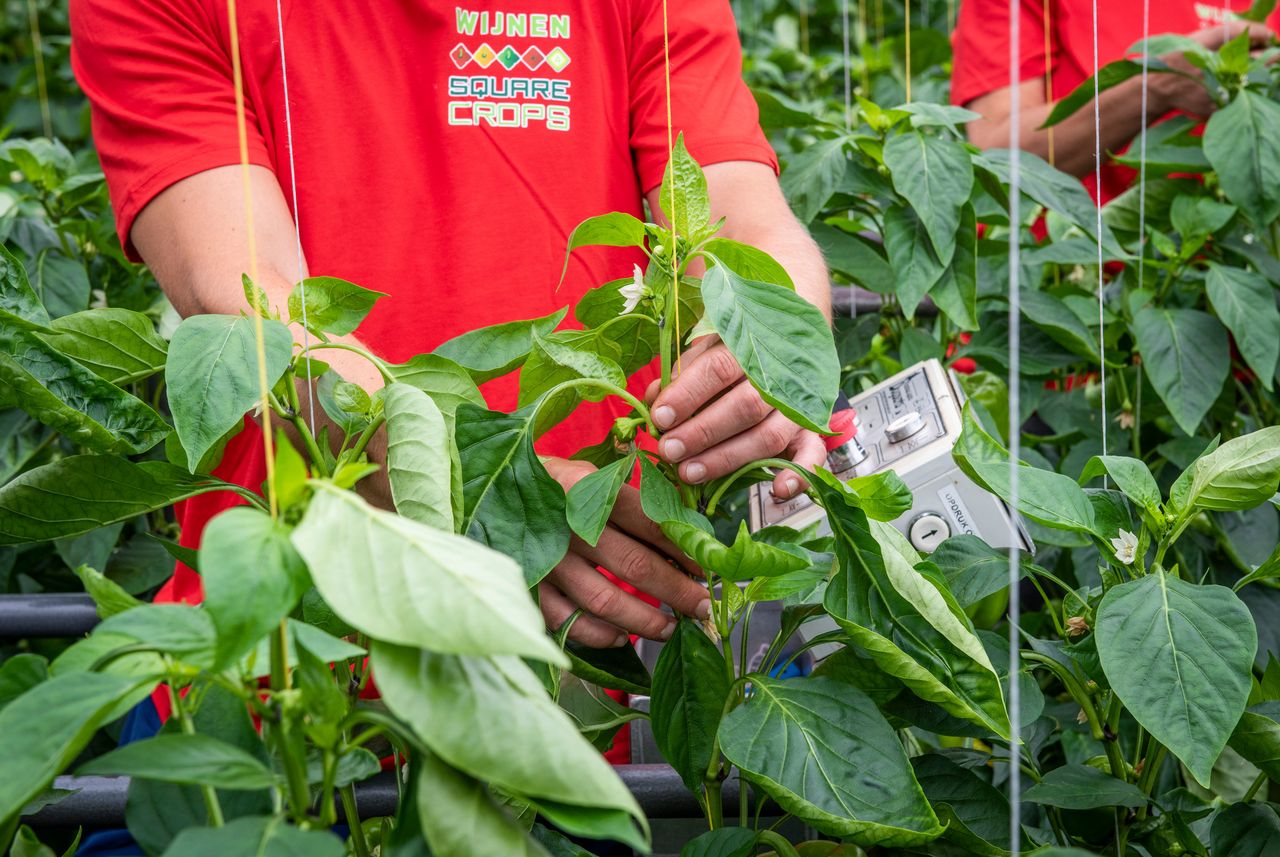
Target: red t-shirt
[(443, 153), (981, 43)]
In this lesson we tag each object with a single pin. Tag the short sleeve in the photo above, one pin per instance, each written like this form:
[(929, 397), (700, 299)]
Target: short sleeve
[(158, 77), (981, 47), (710, 103)]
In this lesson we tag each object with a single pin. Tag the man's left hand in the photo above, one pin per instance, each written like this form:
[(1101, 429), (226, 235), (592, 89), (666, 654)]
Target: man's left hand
[(714, 422)]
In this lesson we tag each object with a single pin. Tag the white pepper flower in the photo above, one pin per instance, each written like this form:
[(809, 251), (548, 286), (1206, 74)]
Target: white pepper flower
[(633, 291), (1126, 547), (1249, 238)]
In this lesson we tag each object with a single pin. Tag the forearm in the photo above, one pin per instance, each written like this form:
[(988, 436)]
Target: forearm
[(1072, 140)]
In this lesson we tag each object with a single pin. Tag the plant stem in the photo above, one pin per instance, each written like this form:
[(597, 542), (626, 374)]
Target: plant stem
[(1254, 789), (598, 384), (358, 842), (210, 795), (1111, 740), (664, 350), (362, 442), (781, 846), (1073, 686), (711, 791), (727, 483), (383, 369)]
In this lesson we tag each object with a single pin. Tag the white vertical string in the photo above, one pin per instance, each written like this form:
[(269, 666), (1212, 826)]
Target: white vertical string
[(1097, 180), (1142, 151), (848, 116), (1015, 428), (297, 219)]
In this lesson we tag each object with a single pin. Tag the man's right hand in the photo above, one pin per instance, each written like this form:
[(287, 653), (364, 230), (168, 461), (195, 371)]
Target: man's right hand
[(1176, 92), (634, 549)]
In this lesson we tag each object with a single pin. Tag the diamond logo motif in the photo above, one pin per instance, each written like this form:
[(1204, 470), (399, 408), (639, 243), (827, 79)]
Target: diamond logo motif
[(460, 55), (557, 59), (534, 58), (484, 56), (509, 57)]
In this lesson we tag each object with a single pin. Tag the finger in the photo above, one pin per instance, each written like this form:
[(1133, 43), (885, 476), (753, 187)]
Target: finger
[(769, 438), (646, 570), (703, 378), (585, 586), (806, 450), (733, 413), (699, 345), (586, 629), (629, 517)]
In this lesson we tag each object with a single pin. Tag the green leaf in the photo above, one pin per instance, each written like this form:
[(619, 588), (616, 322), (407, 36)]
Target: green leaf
[(689, 691), (425, 588), (619, 668), (212, 375), (567, 356), (749, 262), (61, 282), (116, 344), (1268, 570), (956, 293), (446, 382), (255, 836), (448, 700), (19, 673), (186, 759), (1179, 657), (1131, 476), (1246, 304), (511, 503), (490, 352), (19, 305), (975, 812), (1198, 217), (746, 558), (883, 496), (80, 493), (1240, 474), (754, 319), (916, 266), (972, 568), (55, 720), (64, 395), (594, 712), (1259, 11), (1185, 355), (1242, 142), (1055, 190), (1246, 830), (1257, 737), (615, 229), (107, 595), (461, 819), (722, 842), (591, 499), (683, 195), (812, 176), (419, 457), (854, 257), (1044, 496), (1084, 787), (1055, 318), (332, 305), (934, 174), (179, 630), (825, 754), (1111, 74), (905, 621), (660, 500), (244, 551)]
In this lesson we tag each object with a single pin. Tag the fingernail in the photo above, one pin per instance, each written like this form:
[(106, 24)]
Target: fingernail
[(664, 415), (703, 610), (695, 472), (673, 449), (793, 485), (621, 641), (665, 633)]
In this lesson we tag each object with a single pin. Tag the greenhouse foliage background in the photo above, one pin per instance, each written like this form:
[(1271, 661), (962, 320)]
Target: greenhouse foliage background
[(1191, 352)]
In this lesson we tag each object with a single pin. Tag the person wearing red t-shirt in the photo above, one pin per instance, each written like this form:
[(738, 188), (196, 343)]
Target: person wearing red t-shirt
[(442, 154), (1056, 56)]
